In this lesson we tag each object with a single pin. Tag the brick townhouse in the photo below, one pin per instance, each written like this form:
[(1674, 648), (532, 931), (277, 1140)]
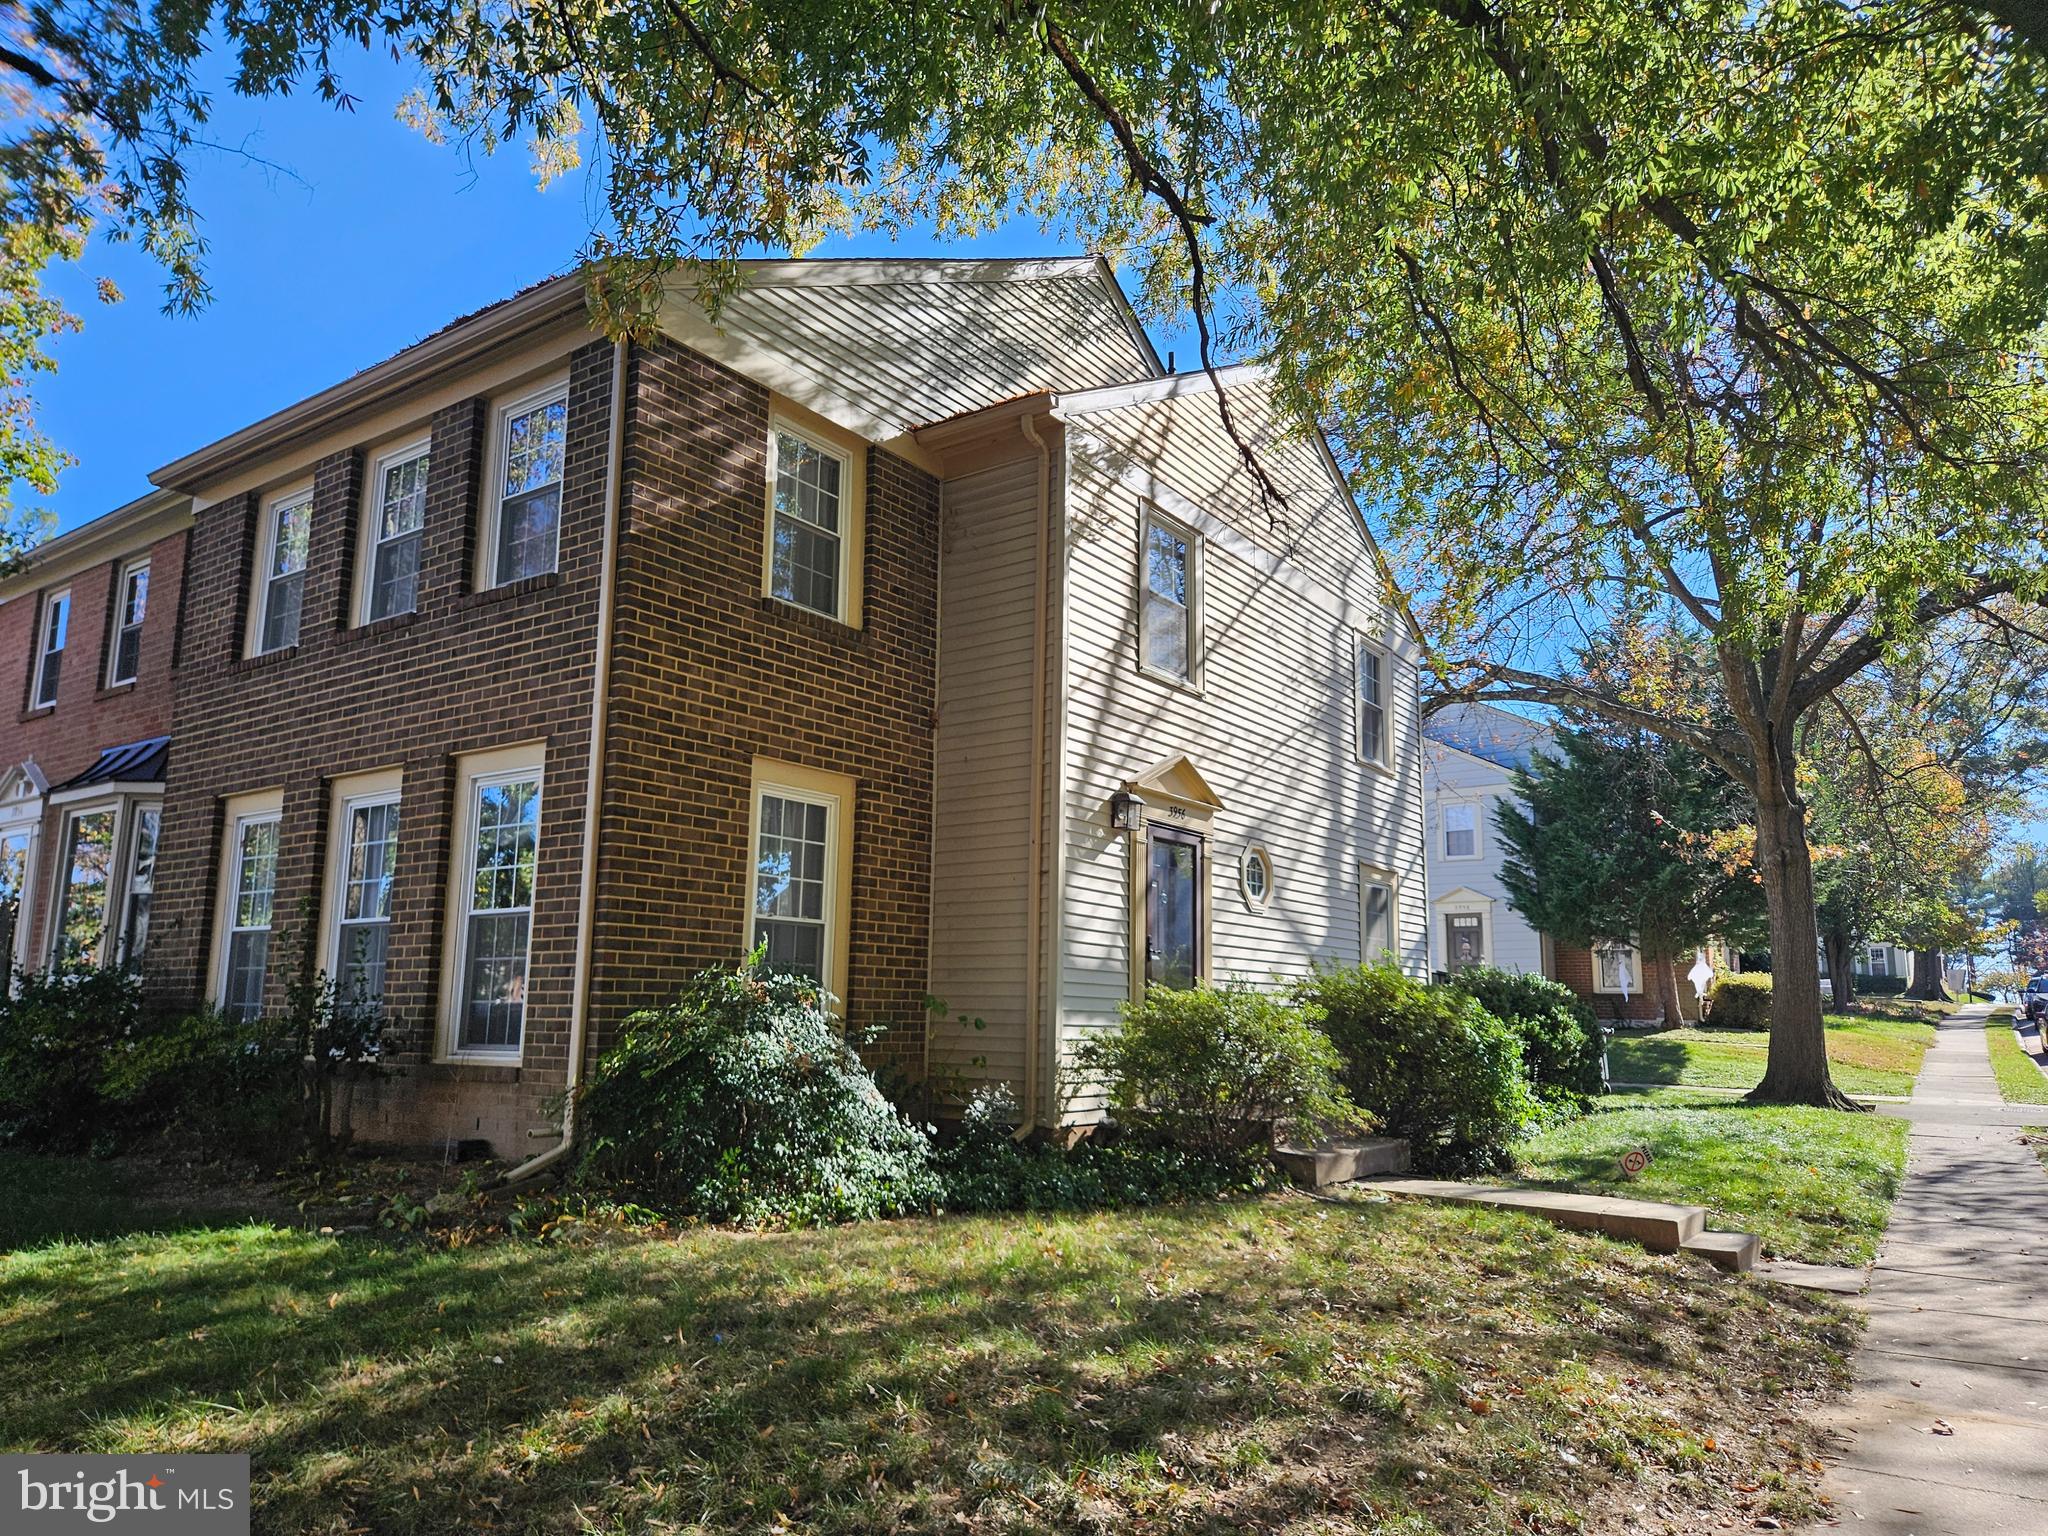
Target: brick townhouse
[(905, 619)]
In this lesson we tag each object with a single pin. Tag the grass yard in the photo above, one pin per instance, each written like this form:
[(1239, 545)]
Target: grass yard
[(1868, 1053), (1813, 1184), (2019, 1080), (1266, 1365)]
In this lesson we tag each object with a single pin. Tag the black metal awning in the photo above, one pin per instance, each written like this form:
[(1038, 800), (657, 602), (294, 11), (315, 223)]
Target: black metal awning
[(138, 762)]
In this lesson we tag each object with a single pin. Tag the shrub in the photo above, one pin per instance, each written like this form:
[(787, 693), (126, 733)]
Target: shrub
[(226, 1085), (984, 1168), (741, 1101), (58, 1030), (1429, 1062), (1869, 984), (1212, 1069), (1741, 1001), (1560, 1041)]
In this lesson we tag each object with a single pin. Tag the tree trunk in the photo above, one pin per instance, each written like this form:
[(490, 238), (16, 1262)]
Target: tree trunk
[(1929, 985), (1797, 1069), (1841, 967), (1663, 977)]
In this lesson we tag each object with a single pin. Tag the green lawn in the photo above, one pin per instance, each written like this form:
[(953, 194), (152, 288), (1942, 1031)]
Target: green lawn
[(1257, 1365), (1813, 1184), (2019, 1080), (1868, 1054)]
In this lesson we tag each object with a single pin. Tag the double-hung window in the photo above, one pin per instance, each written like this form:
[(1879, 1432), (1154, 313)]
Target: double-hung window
[(140, 884), (131, 602), (1372, 704), (287, 536), (1461, 830), (397, 519), (362, 938), (251, 889), (85, 881), (797, 910), (531, 451), (51, 636), (497, 853), (1166, 601), (809, 515)]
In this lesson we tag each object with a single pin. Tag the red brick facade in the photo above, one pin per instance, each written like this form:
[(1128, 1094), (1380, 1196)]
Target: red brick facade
[(1574, 967), (469, 671), (65, 739)]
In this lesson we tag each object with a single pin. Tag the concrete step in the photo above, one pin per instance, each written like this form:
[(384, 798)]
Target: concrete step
[(1340, 1162), (1733, 1251), (1657, 1226)]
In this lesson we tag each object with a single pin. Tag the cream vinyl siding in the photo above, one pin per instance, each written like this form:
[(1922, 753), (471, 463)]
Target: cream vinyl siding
[(1272, 730), (981, 823), (1455, 775)]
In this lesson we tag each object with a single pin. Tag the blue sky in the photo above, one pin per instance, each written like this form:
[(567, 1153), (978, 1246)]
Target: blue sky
[(366, 238)]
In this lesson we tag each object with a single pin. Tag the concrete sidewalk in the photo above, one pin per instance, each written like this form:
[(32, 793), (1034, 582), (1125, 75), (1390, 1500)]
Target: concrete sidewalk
[(1947, 1429)]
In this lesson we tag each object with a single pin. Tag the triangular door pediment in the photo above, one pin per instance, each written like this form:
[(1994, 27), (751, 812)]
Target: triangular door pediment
[(24, 781), (1176, 781), (1463, 893)]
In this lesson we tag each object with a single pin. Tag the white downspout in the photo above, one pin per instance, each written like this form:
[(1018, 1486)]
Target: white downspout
[(593, 792), (1034, 899)]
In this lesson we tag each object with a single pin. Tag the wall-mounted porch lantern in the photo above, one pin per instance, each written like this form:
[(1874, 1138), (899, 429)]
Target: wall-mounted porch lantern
[(1126, 811)]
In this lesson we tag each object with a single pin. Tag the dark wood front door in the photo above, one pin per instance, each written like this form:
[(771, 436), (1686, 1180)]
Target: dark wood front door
[(1173, 908)]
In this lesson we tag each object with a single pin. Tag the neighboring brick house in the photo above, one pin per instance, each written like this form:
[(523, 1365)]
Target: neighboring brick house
[(91, 625), (918, 628)]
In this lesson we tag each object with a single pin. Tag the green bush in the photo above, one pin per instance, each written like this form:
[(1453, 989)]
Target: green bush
[(1560, 1041), (1429, 1062), (225, 1085), (1213, 1069), (58, 1031), (984, 1168), (1869, 984), (1740, 1001), (740, 1101)]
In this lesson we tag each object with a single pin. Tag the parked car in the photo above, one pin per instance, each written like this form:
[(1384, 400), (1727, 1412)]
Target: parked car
[(2034, 1001)]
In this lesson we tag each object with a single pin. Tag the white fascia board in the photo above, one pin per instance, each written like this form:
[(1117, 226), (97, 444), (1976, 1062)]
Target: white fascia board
[(855, 271), (1115, 397)]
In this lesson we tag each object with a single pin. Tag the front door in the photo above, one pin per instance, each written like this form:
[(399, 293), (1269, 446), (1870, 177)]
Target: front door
[(1465, 939), (1173, 908)]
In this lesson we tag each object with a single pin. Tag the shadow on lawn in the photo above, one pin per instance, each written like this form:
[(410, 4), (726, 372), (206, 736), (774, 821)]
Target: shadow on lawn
[(1649, 1060), (417, 1388)]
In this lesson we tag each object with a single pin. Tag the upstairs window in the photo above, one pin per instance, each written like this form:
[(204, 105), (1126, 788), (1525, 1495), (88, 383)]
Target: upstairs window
[(1166, 602), (398, 515), (55, 630), (1372, 704), (1461, 831), (287, 535), (532, 451), (808, 533), (131, 602)]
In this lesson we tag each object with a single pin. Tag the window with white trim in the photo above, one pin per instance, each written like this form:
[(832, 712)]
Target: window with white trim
[(1372, 703), (16, 845), (497, 857), (1464, 940), (131, 602), (809, 536), (139, 888), (1617, 968), (1166, 601), (1255, 877), (362, 924), (1461, 830), (51, 637), (1880, 960), (397, 517), (251, 890), (287, 537), (531, 447), (1376, 914), (85, 887)]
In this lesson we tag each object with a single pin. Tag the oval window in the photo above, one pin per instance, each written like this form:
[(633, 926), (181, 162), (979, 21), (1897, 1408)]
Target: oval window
[(1256, 876)]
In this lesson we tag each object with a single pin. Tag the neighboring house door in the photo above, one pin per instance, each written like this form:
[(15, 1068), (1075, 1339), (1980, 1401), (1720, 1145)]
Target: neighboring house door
[(1173, 908), (1464, 939)]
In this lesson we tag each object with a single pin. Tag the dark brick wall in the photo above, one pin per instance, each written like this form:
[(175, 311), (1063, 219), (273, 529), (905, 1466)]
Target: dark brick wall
[(707, 674), (468, 672), (66, 738), (1574, 967)]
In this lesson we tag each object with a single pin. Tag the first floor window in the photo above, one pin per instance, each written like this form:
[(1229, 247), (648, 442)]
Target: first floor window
[(131, 604), (1461, 831), (369, 854), (1618, 969), (53, 635), (141, 885), (1372, 704), (792, 883), (1376, 915), (1880, 960), (500, 857), (533, 443), (85, 888), (288, 537), (252, 893), (14, 850), (807, 524), (1464, 939), (1166, 604)]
